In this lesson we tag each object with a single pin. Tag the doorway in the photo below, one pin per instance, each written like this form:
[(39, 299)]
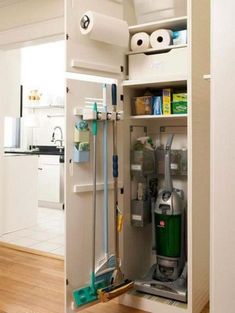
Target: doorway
[(34, 124)]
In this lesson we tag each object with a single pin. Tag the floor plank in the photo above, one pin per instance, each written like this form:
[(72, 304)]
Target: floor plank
[(30, 283), (35, 284)]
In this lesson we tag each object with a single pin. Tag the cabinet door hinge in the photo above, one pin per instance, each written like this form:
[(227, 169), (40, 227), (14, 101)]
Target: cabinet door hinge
[(67, 36), (67, 89), (122, 97), (122, 69), (122, 191)]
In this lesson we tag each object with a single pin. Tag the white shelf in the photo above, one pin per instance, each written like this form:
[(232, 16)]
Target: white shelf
[(44, 106), (161, 117), (152, 50), (173, 23), (167, 81)]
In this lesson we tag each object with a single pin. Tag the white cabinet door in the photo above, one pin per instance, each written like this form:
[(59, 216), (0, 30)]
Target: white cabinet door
[(223, 158), (49, 180)]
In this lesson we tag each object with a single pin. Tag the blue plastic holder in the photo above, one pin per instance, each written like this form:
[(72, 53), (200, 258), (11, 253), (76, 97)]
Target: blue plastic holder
[(80, 156)]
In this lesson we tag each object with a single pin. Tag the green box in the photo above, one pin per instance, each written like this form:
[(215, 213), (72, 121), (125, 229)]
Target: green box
[(179, 103)]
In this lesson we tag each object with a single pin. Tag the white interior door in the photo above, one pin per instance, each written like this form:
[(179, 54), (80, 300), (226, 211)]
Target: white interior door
[(223, 158)]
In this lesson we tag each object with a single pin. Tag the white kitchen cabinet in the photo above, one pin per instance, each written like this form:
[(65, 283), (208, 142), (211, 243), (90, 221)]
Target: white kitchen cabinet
[(91, 57), (20, 196), (48, 180)]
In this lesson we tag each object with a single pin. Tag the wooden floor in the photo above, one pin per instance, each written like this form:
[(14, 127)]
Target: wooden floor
[(34, 284)]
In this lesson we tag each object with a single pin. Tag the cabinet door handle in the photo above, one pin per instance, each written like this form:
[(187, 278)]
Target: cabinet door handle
[(40, 168)]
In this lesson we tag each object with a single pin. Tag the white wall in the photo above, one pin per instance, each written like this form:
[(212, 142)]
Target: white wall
[(42, 135), (42, 68), (223, 158)]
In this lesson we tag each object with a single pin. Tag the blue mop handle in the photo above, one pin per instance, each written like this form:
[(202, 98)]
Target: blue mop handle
[(114, 95), (115, 166), (105, 169)]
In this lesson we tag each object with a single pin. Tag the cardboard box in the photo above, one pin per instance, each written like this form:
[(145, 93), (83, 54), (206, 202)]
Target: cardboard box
[(166, 101), (179, 103), (142, 105)]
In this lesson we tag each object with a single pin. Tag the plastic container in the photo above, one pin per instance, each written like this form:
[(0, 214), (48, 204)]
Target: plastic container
[(178, 162), (140, 213), (152, 10), (142, 162), (80, 156)]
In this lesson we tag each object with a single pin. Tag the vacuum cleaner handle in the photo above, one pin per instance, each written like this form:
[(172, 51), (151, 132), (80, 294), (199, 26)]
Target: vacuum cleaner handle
[(168, 179)]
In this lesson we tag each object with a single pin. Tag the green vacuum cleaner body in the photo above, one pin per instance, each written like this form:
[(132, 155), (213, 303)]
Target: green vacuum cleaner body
[(168, 276), (169, 226), (168, 217)]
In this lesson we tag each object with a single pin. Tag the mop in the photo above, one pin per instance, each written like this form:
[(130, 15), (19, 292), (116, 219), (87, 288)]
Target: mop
[(108, 264), (119, 285), (88, 294)]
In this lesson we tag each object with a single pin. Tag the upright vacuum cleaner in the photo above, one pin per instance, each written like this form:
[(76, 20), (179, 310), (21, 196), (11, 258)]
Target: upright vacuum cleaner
[(168, 276)]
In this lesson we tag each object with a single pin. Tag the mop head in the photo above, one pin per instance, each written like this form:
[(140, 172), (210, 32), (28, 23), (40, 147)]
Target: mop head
[(88, 294), (99, 281)]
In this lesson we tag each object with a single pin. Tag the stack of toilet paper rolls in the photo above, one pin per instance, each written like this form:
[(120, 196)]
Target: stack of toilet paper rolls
[(159, 39)]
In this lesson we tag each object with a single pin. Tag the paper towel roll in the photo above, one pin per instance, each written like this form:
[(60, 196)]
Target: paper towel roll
[(161, 38), (140, 41), (104, 28)]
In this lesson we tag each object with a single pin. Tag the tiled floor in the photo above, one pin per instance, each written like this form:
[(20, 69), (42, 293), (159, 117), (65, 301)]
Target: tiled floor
[(47, 235)]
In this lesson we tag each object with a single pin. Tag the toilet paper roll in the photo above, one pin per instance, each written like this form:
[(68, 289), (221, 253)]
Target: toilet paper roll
[(140, 41), (104, 28), (161, 38)]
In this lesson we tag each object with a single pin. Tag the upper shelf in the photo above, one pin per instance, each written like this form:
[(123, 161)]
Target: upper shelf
[(43, 106), (166, 81), (173, 23), (160, 117), (152, 50)]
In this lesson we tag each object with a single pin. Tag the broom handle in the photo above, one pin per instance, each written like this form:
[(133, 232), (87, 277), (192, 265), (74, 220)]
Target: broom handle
[(94, 132), (115, 173)]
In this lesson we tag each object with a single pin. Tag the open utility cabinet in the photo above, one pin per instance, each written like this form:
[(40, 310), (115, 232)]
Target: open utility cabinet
[(109, 64)]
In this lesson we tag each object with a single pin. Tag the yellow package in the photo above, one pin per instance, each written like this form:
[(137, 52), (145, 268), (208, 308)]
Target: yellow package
[(166, 101)]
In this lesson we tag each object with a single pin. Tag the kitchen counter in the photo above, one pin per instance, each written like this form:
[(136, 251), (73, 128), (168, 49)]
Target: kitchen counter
[(38, 150)]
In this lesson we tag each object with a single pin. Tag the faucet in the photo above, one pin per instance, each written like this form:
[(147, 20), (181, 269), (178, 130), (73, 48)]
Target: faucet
[(61, 136)]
